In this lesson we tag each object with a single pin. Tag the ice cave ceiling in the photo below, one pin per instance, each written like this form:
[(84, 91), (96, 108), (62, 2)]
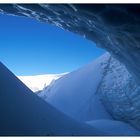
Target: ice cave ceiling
[(115, 27)]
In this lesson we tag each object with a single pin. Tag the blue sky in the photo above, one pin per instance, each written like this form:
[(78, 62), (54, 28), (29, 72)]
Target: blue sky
[(29, 47)]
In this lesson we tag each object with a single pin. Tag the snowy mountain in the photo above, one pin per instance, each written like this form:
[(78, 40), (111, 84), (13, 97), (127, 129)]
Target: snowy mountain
[(96, 94), (38, 82)]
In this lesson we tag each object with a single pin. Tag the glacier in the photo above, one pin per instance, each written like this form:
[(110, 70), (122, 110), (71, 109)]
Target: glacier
[(114, 27)]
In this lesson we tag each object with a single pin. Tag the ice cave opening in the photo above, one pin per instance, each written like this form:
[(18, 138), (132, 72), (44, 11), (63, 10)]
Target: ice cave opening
[(113, 27), (44, 51)]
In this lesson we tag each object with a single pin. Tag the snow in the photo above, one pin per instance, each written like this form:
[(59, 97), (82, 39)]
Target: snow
[(38, 82), (120, 93), (24, 113), (114, 127), (87, 95), (75, 93), (78, 104)]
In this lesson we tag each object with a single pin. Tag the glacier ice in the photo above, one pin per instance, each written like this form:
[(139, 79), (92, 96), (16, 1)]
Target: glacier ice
[(120, 93)]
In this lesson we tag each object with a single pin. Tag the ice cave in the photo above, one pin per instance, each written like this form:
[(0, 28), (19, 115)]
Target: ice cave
[(114, 27)]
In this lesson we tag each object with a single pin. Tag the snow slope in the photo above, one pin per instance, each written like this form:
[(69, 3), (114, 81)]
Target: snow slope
[(24, 113), (87, 95), (75, 93), (38, 82)]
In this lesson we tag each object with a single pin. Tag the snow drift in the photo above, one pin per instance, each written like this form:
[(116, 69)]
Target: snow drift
[(98, 91)]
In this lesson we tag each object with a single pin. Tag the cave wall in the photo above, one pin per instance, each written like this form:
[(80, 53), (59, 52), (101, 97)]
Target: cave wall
[(114, 27)]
